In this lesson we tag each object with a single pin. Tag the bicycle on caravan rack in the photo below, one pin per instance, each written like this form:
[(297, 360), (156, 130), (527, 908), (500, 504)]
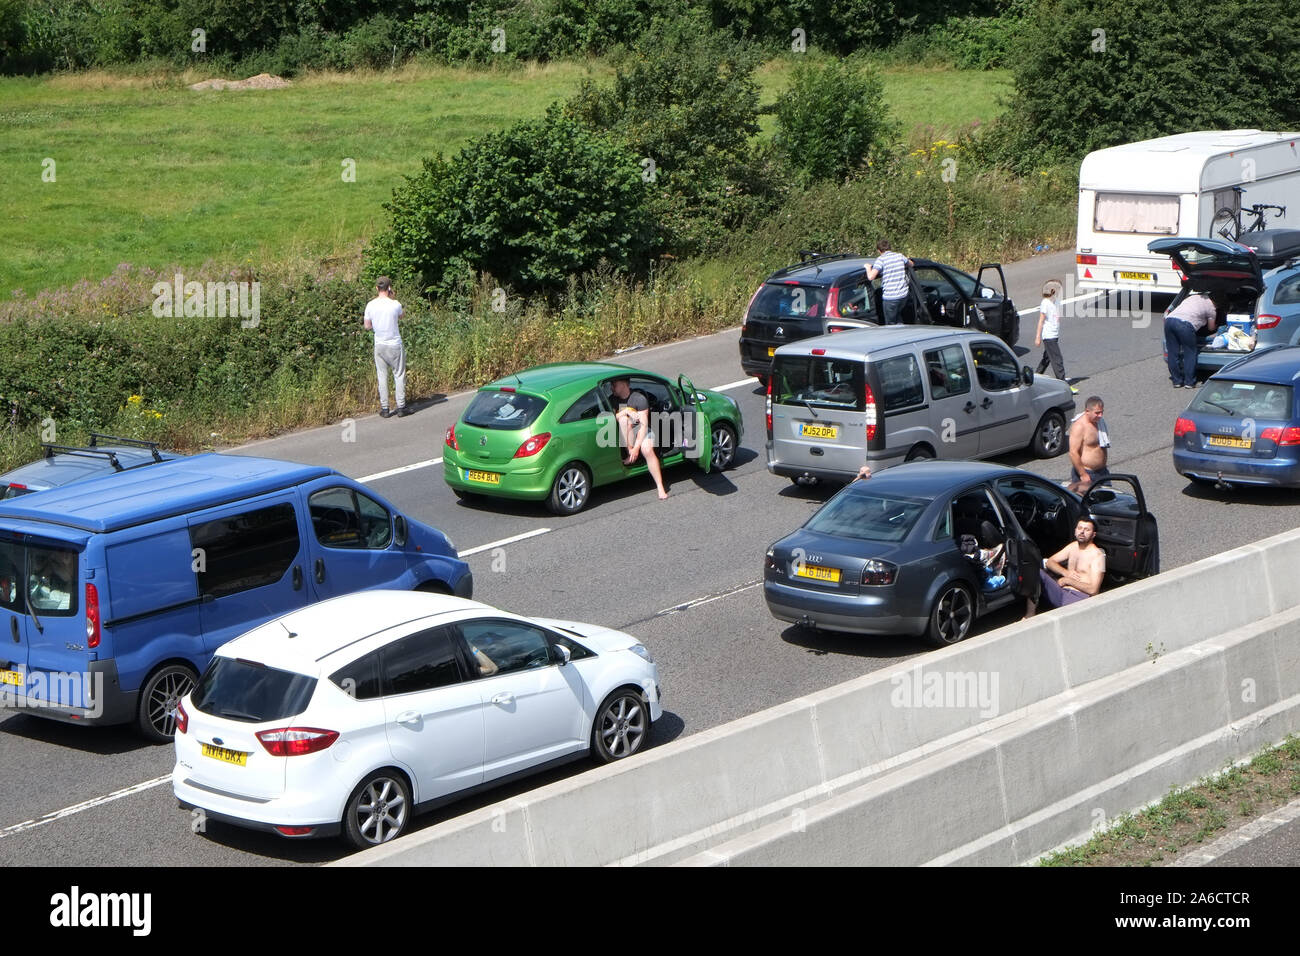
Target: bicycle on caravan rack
[(1227, 221)]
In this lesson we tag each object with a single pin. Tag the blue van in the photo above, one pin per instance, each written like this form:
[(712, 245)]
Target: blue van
[(114, 592)]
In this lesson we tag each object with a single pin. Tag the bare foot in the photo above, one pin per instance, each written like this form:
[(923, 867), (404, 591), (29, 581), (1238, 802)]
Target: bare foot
[(663, 495)]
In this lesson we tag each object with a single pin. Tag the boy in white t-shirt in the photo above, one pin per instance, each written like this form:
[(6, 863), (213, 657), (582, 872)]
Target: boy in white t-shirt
[(1048, 335), (382, 315)]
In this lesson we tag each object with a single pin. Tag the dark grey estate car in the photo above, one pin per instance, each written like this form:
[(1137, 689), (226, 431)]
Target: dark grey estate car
[(882, 556)]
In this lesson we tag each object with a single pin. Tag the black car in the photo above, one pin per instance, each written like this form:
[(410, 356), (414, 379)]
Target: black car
[(883, 556), (831, 293)]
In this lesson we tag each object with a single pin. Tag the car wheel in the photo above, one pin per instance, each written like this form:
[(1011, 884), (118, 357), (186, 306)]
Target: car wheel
[(952, 615), (621, 727), (378, 810), (724, 446), (920, 453), (571, 490), (159, 696), (1049, 436)]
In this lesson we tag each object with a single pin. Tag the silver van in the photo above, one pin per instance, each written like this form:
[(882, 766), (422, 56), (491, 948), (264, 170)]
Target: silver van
[(886, 395)]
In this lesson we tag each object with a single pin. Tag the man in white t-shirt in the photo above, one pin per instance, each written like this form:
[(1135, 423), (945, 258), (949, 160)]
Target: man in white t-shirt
[(1048, 336), (382, 314), (891, 268)]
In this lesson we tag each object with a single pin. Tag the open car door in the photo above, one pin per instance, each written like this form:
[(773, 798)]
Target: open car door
[(1126, 531), (697, 436)]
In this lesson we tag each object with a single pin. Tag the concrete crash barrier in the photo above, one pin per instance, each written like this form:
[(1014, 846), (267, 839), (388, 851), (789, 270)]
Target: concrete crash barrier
[(991, 751)]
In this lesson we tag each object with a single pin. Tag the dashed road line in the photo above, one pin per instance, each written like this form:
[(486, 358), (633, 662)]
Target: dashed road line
[(707, 599), (504, 541), (397, 471), (84, 805)]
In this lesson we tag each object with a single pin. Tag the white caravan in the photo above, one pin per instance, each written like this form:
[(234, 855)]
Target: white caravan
[(1176, 186)]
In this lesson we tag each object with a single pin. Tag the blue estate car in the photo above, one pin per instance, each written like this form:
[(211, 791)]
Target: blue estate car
[(1243, 426)]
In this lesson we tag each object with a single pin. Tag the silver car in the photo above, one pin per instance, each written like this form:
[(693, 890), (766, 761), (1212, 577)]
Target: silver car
[(887, 395)]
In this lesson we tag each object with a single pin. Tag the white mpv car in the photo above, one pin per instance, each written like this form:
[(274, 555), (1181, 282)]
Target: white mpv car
[(353, 714)]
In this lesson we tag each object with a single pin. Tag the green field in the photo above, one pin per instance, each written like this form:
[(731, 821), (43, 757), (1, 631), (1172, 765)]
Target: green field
[(151, 173)]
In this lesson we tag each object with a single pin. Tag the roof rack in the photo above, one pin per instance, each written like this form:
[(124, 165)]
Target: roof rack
[(139, 442), (812, 255), (51, 450)]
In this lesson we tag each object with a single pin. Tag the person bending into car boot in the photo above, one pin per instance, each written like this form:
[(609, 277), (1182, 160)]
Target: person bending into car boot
[(1080, 566), (634, 416)]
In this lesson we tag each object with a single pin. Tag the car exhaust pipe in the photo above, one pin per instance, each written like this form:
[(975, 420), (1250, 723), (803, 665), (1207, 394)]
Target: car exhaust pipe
[(1221, 485)]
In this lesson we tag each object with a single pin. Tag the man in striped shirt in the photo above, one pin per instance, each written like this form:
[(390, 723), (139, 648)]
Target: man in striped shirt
[(891, 268)]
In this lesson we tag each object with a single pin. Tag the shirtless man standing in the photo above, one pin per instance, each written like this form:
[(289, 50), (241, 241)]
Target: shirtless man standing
[(1088, 446), (1080, 565)]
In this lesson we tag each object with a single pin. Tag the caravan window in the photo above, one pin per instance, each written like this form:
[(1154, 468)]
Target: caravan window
[(1131, 212)]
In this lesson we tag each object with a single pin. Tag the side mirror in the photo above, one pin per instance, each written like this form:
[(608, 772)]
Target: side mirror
[(399, 531), (1027, 375), (560, 654)]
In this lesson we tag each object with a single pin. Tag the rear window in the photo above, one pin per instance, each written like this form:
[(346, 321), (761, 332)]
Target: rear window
[(251, 693), (1244, 399), (868, 516), (1136, 213), (817, 380), (508, 411), (13, 491), (797, 301)]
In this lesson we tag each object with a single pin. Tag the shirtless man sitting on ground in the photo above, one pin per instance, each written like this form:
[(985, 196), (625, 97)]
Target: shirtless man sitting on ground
[(1080, 565)]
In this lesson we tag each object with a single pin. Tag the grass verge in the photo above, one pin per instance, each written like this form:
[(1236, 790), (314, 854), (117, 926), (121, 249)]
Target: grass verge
[(1193, 816)]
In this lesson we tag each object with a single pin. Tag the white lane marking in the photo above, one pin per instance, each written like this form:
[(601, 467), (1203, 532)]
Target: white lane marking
[(686, 606), (510, 540), (438, 461), (1073, 298), (397, 471), (84, 805)]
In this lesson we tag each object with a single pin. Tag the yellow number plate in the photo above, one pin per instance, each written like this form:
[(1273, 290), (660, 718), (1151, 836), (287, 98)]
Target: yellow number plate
[(820, 431), (486, 477), (771, 350), (12, 677), (1227, 442), (818, 573), (1143, 276), (237, 757)]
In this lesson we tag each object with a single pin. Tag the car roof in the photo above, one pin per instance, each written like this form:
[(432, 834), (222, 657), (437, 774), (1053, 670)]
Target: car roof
[(63, 468), (182, 485), (857, 342), (1276, 366), (825, 270), (306, 640), (930, 479), (544, 379)]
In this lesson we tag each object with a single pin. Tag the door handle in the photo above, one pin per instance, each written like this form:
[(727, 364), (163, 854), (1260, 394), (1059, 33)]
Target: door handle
[(320, 571), (297, 577), (503, 700), (987, 403), (409, 717), (13, 628), (968, 407)]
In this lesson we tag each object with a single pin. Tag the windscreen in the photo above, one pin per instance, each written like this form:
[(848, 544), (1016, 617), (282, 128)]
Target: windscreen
[(250, 692), (871, 517), (818, 380), (509, 411)]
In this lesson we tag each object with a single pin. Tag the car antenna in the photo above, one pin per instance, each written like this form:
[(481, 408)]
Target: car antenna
[(292, 634)]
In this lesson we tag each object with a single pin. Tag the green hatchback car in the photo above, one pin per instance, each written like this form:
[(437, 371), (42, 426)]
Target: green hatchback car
[(550, 433)]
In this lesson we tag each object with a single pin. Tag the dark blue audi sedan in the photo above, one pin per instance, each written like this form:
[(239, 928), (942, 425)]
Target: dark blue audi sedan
[(884, 555), (1243, 426)]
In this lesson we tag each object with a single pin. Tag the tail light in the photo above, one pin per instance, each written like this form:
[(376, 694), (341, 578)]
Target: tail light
[(450, 438), (832, 300), (92, 616), (1183, 426), (182, 719), (769, 561), (745, 321), (294, 830), (533, 445), (879, 573), (1267, 321), (869, 398), (1281, 436), (769, 406), (836, 328), (1086, 260), (296, 741)]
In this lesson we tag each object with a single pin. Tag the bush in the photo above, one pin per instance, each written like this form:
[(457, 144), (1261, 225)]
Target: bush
[(1096, 73), (376, 43), (532, 205), (831, 119)]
